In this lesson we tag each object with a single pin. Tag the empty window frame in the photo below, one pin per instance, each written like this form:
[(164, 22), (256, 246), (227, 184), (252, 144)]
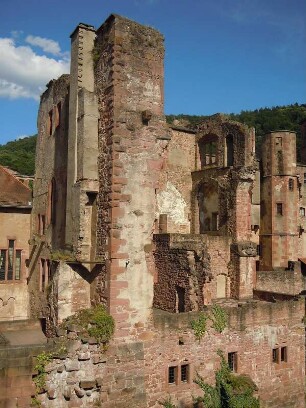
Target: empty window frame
[(180, 299), (302, 211), (279, 208), (275, 355), (229, 151), (58, 115), (208, 151), (185, 373), (280, 354), (232, 361), (50, 122), (283, 354), (172, 375), (214, 221), (291, 184), (10, 262), (44, 273)]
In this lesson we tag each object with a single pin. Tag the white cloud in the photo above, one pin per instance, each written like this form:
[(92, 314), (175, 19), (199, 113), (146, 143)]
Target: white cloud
[(45, 44), (23, 73)]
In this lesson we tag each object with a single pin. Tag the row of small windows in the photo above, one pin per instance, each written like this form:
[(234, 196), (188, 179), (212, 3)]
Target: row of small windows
[(279, 210), (10, 262), (181, 373)]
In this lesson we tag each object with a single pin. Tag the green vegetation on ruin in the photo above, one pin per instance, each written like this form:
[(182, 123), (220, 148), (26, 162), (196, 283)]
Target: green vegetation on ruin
[(218, 317), (94, 322)]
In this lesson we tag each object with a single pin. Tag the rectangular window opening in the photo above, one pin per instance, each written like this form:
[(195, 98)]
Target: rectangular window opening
[(185, 373), (232, 361), (302, 211), (291, 184), (275, 355), (172, 375), (58, 115), (284, 353), (3, 255), (214, 221), (50, 122), (279, 208)]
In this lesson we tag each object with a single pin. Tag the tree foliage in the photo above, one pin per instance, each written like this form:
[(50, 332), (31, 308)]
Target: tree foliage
[(19, 155), (230, 391)]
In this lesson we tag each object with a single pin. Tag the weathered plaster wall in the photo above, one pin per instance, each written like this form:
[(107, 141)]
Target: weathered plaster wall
[(173, 197)]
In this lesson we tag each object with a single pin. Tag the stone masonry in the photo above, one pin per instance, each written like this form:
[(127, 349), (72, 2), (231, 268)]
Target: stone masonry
[(159, 223)]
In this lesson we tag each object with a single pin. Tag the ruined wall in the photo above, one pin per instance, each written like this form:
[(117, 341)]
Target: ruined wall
[(132, 141), (136, 373), (48, 219), (175, 185), (280, 281), (191, 270)]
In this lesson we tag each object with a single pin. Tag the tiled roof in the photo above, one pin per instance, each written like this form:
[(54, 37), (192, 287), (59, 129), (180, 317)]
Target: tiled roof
[(12, 191)]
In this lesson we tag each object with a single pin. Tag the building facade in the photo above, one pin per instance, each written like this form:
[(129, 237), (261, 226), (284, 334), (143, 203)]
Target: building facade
[(159, 223)]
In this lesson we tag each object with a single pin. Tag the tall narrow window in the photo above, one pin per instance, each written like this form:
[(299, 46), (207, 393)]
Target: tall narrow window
[(172, 375), (58, 115), (3, 253), (304, 178), (284, 353), (185, 373), (291, 184), (50, 122), (180, 299), (42, 274), (17, 264), (279, 208), (214, 221), (275, 355), (229, 151), (232, 361), (208, 151), (10, 264)]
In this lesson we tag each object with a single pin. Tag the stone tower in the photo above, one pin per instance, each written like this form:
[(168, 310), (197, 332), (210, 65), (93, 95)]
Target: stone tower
[(279, 201)]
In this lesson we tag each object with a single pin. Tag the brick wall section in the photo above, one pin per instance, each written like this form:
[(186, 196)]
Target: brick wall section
[(192, 262), (16, 369), (280, 281)]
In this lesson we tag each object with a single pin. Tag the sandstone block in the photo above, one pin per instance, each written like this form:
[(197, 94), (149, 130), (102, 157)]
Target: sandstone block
[(79, 392), (72, 365), (88, 384)]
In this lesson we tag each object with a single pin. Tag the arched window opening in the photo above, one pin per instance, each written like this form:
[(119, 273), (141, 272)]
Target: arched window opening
[(208, 151)]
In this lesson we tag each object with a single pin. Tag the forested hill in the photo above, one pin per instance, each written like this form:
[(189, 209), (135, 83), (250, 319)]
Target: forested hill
[(19, 155)]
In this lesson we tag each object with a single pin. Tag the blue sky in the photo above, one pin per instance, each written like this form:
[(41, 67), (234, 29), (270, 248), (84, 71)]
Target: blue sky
[(221, 55)]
